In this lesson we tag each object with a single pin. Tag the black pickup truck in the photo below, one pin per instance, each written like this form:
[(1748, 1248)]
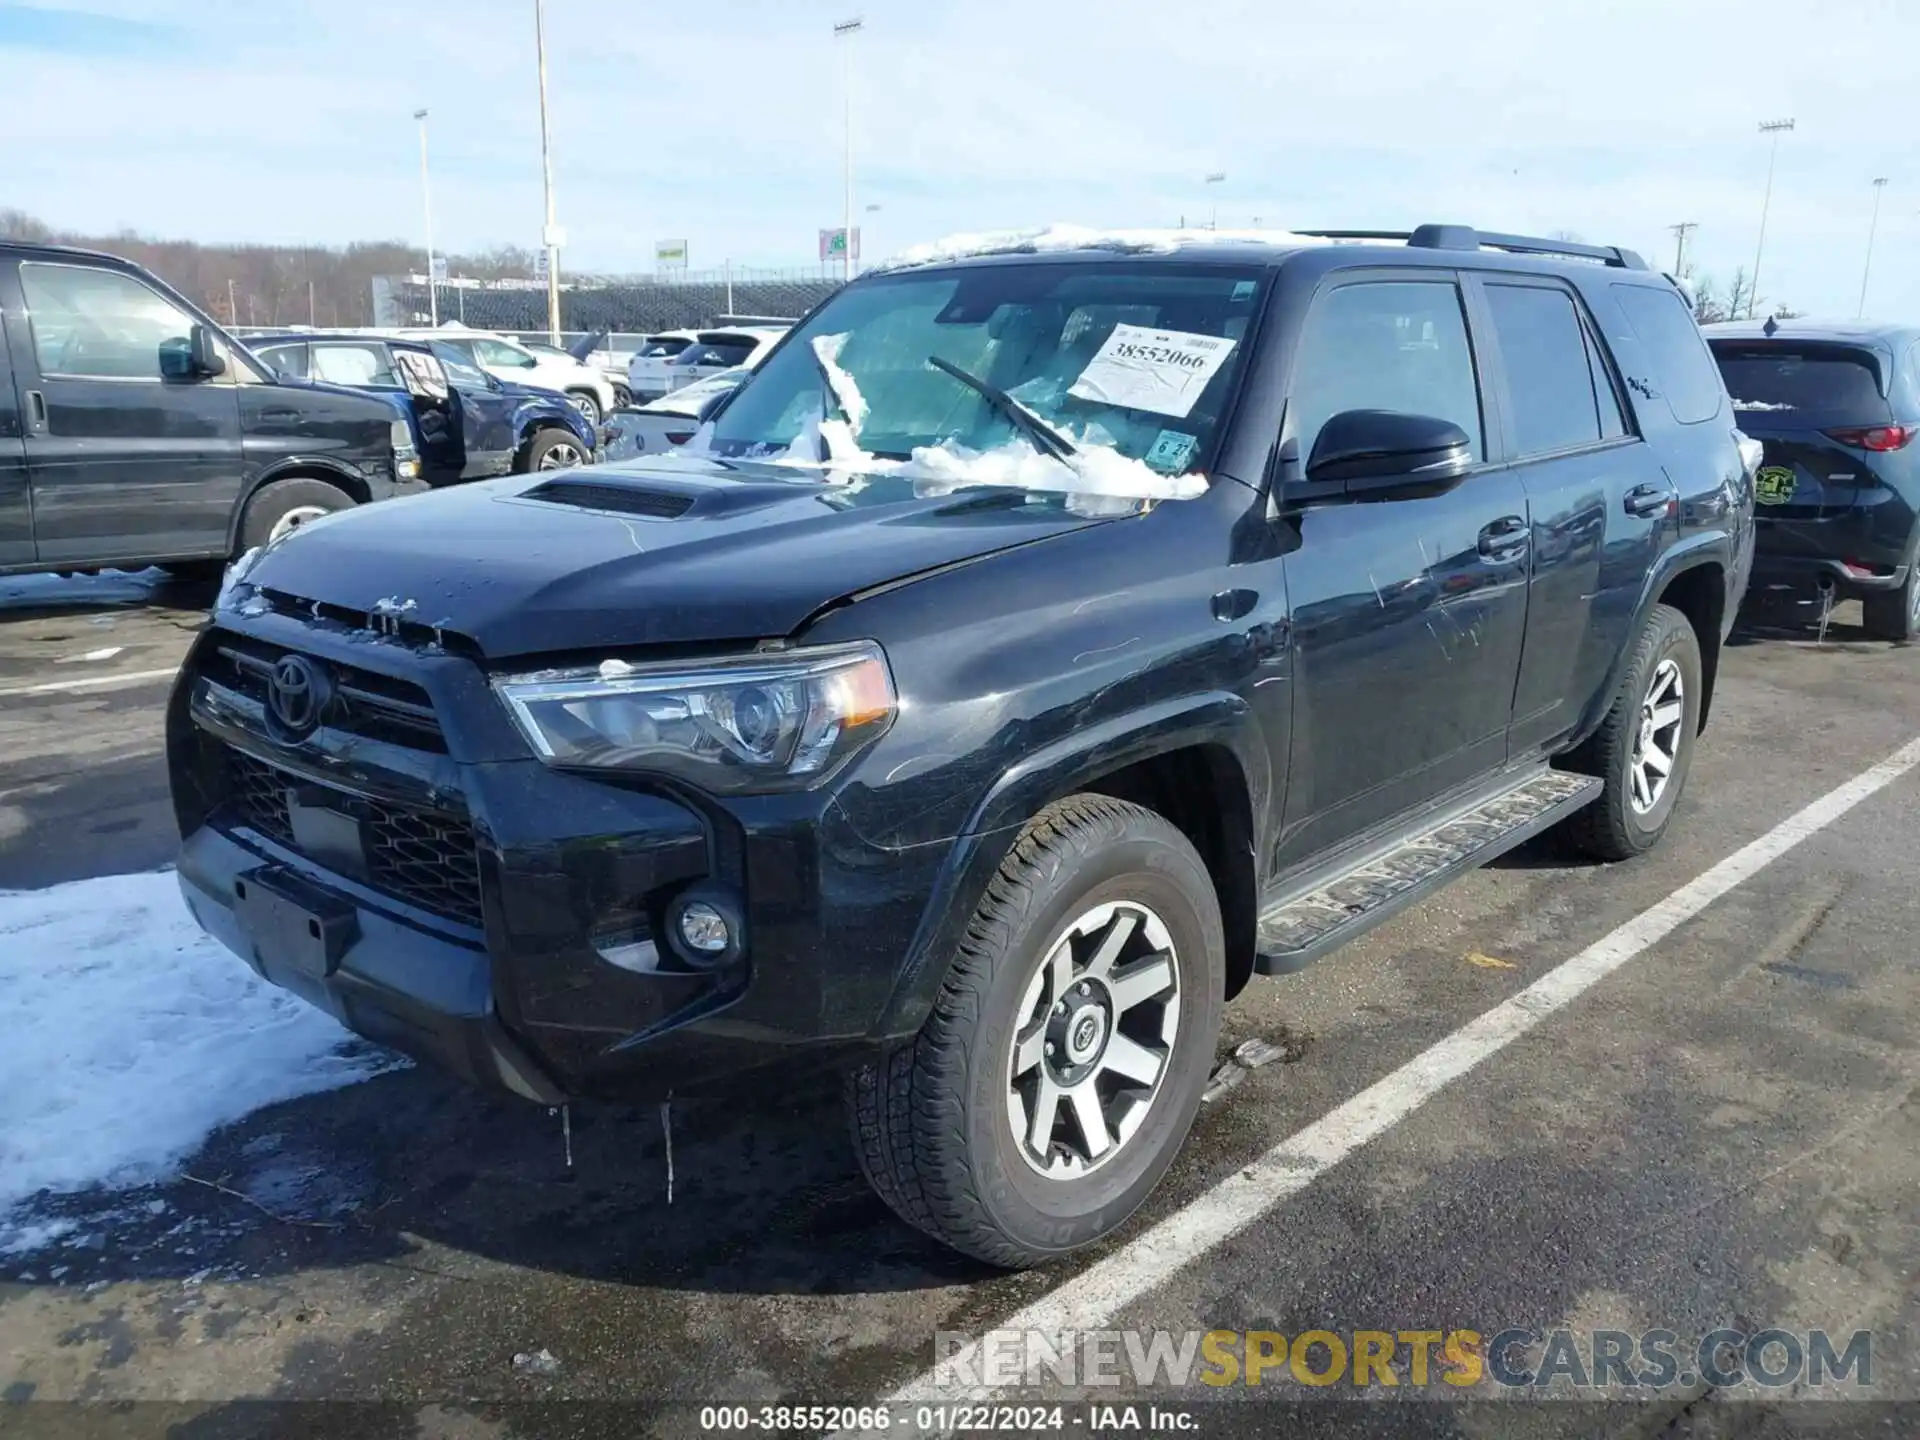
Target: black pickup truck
[(1042, 645)]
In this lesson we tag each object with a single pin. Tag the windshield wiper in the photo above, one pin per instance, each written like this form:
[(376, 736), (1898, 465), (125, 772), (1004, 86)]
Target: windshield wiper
[(1045, 438)]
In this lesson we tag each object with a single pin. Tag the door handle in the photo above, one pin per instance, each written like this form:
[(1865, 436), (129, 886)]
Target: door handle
[(1646, 500), (36, 413), (1504, 538)]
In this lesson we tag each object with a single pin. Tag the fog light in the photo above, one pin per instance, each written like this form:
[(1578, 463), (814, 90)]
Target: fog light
[(704, 929)]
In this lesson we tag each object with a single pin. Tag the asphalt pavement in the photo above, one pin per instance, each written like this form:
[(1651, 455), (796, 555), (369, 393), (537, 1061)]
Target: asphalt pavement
[(1720, 1131)]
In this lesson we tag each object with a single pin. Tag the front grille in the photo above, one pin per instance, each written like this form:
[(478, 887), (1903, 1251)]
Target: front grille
[(366, 702), (425, 859)]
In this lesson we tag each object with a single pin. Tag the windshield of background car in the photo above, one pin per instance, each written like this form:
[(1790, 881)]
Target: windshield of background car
[(1822, 379), (462, 374), (1139, 356)]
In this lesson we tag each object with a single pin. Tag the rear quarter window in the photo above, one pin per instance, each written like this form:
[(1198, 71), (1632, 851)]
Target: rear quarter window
[(1675, 348)]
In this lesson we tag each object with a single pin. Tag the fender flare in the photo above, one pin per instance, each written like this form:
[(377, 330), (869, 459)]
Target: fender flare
[(1218, 718)]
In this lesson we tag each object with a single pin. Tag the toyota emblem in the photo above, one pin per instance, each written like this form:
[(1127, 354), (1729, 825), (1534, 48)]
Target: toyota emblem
[(297, 696)]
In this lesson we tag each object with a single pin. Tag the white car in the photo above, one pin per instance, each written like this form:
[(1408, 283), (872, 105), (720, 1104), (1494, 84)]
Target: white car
[(668, 422), (589, 389), (714, 351), (647, 370)]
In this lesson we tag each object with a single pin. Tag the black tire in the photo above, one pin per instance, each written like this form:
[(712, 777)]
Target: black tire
[(1895, 614), (930, 1121), (282, 500), (622, 397), (1614, 827), (539, 452), (588, 404)]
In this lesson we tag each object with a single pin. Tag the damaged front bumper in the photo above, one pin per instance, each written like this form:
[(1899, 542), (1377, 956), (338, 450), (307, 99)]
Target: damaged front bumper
[(412, 871)]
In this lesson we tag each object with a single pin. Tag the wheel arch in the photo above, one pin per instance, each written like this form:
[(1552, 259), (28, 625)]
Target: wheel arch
[(1692, 577), (349, 482), (1201, 763)]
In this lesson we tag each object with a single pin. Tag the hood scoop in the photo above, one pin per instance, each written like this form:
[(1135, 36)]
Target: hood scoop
[(617, 499)]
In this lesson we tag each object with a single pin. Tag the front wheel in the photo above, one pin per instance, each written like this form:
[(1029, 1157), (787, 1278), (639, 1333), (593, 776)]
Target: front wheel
[(552, 449), (1644, 747), (279, 508), (589, 407), (1063, 1062)]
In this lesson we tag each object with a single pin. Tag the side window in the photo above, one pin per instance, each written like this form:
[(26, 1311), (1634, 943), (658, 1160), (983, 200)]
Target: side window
[(1613, 421), (286, 359), (1549, 377), (98, 323), (459, 366), (493, 354), (1675, 349), (353, 365), (1385, 345)]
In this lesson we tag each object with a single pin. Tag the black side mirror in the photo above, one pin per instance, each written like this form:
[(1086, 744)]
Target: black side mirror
[(1380, 454), (193, 356)]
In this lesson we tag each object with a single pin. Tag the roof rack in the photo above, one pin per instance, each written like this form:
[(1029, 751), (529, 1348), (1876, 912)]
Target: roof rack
[(1465, 237)]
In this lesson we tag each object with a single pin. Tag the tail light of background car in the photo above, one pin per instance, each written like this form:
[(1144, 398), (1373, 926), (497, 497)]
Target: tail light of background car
[(1878, 438)]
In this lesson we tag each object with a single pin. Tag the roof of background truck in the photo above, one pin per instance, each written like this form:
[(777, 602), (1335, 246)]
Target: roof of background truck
[(1865, 332)]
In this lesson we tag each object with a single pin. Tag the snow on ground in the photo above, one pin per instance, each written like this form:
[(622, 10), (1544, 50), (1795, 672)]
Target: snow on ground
[(127, 1037)]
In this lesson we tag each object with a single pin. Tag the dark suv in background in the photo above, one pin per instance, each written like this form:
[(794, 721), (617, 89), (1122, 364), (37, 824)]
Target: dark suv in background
[(134, 432), (1837, 408), (1043, 644)]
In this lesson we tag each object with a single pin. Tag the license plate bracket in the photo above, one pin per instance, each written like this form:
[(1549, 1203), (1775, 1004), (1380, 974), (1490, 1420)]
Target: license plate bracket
[(293, 922)]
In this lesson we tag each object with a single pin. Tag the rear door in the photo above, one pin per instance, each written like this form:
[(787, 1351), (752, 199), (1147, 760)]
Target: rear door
[(1598, 500), (122, 463), (16, 507)]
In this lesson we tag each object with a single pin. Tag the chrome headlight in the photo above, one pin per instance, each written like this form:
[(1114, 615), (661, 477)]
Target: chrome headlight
[(759, 722)]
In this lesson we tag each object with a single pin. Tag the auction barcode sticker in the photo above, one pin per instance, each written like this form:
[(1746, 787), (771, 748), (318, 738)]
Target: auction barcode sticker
[(1159, 370)]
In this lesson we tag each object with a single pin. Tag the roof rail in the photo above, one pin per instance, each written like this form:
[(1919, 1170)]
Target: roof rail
[(1465, 237)]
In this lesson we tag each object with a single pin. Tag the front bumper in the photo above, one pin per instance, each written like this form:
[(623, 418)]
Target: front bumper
[(511, 922)]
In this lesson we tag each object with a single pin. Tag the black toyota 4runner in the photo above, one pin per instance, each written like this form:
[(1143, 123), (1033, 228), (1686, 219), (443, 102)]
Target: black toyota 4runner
[(1040, 646)]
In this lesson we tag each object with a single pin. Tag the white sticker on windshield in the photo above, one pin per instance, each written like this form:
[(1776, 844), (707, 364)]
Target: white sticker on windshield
[(1171, 451), (1159, 370)]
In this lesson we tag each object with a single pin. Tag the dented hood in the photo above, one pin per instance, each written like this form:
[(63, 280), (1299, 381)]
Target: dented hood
[(672, 550)]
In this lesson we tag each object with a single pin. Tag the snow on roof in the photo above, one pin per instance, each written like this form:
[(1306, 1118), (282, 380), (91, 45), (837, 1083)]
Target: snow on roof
[(1080, 237)]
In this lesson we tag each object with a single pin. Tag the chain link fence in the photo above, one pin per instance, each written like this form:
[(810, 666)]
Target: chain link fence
[(683, 302)]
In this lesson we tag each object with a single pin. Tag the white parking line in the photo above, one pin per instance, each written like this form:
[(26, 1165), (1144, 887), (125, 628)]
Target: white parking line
[(1092, 1298), (97, 682)]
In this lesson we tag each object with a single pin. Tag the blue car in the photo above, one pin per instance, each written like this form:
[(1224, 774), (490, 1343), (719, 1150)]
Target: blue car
[(480, 427)]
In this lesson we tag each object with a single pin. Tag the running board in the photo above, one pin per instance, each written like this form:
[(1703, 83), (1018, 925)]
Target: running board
[(1300, 931)]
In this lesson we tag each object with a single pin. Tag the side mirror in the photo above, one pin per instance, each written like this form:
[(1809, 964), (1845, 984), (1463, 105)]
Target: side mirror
[(422, 374), (1378, 454), (193, 356)]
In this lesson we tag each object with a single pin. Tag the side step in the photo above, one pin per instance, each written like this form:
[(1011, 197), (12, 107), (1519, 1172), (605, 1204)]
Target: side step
[(1299, 931)]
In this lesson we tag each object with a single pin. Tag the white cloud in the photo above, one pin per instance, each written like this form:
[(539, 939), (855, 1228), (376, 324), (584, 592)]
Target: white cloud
[(722, 123)]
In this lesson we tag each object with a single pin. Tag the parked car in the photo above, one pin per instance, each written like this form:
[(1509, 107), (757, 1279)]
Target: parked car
[(589, 389), (715, 350), (134, 431), (1047, 643), (647, 373), (486, 426), (1836, 406), (661, 425)]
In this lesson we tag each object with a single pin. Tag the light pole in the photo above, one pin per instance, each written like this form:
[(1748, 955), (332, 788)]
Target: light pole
[(844, 32), (1680, 233), (1866, 270), (426, 206), (1773, 129), (550, 236), (1217, 177)]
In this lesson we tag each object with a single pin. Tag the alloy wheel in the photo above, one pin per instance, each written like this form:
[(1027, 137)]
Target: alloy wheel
[(1656, 744), (562, 455), (1096, 1032), (294, 519)]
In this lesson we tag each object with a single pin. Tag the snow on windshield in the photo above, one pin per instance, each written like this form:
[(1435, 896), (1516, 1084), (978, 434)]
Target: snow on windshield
[(1081, 237)]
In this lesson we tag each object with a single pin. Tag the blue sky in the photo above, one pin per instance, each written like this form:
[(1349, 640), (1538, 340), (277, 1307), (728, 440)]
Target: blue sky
[(719, 121)]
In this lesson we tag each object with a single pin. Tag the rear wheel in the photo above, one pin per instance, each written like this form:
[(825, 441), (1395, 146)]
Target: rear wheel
[(283, 506), (1063, 1062), (1895, 614), (1645, 745)]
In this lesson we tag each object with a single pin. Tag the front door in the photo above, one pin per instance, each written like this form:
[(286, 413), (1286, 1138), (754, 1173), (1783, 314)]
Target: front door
[(123, 463), (1408, 614)]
